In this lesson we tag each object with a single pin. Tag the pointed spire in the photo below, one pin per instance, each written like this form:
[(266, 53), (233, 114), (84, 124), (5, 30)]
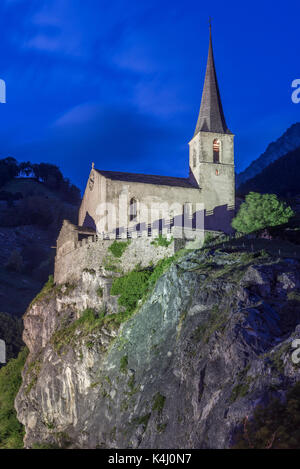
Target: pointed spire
[(211, 117)]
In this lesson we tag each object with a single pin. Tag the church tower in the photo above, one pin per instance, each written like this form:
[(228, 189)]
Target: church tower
[(211, 148)]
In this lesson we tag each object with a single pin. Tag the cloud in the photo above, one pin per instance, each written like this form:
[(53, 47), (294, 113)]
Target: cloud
[(78, 115), (115, 138)]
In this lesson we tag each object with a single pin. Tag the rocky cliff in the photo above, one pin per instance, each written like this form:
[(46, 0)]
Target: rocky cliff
[(208, 342)]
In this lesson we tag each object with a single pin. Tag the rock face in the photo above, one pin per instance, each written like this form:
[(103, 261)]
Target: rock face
[(289, 141), (209, 343)]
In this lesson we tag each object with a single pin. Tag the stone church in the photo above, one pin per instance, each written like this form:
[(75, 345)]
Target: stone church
[(114, 202)]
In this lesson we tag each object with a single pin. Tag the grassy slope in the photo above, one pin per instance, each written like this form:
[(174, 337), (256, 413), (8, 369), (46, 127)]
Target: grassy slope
[(27, 187), (11, 430)]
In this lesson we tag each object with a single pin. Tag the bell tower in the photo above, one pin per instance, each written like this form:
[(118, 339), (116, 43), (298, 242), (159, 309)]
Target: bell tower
[(211, 148)]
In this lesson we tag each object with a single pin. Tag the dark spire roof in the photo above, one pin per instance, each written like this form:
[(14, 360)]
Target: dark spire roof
[(211, 117)]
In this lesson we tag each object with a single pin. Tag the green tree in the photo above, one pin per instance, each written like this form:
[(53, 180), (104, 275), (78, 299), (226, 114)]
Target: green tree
[(261, 211)]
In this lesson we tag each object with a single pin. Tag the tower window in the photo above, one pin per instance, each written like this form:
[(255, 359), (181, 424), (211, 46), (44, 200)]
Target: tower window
[(132, 209), (216, 150)]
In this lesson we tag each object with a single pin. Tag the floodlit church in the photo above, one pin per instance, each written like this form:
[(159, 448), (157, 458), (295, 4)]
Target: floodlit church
[(115, 202)]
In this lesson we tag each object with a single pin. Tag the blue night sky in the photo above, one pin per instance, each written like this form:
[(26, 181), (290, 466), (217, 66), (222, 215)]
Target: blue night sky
[(119, 82)]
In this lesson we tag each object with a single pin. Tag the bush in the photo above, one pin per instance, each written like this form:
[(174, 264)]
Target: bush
[(11, 430), (117, 248), (261, 211), (162, 241), (209, 238), (131, 288), (134, 285), (275, 426)]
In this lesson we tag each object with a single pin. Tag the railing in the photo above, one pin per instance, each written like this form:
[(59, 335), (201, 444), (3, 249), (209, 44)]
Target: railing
[(169, 232)]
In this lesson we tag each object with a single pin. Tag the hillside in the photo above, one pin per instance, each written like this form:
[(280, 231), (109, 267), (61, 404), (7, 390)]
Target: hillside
[(288, 142), (209, 341), (11, 328), (280, 177), (31, 214)]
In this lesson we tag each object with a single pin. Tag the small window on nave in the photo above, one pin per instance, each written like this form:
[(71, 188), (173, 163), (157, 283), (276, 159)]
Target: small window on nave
[(194, 158), (132, 209), (216, 150)]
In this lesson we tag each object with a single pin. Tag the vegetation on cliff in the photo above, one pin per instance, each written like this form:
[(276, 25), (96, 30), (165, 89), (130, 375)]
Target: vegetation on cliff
[(117, 248), (11, 430), (135, 285), (274, 426)]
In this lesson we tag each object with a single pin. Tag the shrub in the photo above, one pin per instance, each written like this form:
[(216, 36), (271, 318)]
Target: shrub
[(209, 238), (162, 241), (134, 285), (131, 288), (117, 248), (159, 403), (261, 211), (124, 364), (275, 426), (11, 430)]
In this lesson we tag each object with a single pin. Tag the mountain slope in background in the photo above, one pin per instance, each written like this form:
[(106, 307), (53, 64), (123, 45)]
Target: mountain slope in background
[(29, 225), (280, 177), (289, 141)]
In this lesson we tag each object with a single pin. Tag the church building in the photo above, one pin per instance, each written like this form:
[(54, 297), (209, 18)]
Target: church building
[(114, 202)]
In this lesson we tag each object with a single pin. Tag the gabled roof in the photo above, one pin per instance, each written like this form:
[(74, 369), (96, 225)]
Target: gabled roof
[(211, 117), (148, 179)]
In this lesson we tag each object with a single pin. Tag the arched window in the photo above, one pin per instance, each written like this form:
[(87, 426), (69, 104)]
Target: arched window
[(132, 209), (216, 150)]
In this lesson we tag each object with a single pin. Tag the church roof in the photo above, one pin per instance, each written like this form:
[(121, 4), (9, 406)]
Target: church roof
[(148, 179), (211, 117)]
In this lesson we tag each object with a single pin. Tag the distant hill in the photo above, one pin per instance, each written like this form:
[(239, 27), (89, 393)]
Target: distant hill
[(28, 186), (11, 329), (280, 177), (32, 209), (289, 141)]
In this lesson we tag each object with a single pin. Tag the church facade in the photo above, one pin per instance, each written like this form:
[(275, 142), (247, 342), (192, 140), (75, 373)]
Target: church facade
[(117, 201)]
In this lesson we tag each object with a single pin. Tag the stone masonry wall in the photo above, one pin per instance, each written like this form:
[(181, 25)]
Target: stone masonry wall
[(95, 255)]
